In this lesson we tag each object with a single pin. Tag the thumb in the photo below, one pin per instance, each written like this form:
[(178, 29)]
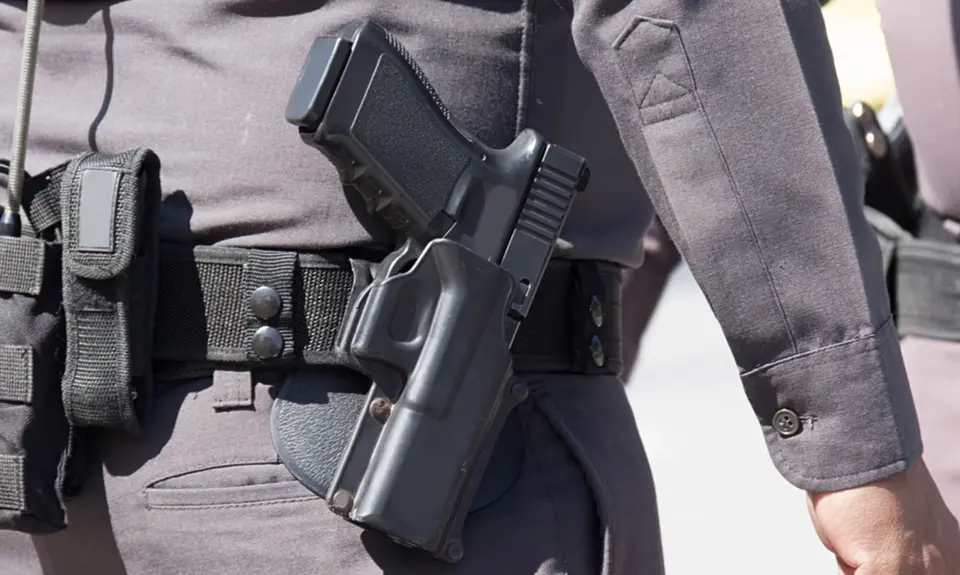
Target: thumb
[(821, 533), (844, 569)]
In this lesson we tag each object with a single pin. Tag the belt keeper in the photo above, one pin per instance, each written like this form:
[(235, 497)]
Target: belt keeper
[(110, 206), (269, 278), (595, 319), (233, 390)]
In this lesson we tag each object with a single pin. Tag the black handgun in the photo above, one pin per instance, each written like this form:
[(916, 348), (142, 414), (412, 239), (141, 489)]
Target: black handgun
[(433, 330)]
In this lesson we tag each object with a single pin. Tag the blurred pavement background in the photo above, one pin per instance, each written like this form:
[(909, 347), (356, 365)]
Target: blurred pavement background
[(724, 509)]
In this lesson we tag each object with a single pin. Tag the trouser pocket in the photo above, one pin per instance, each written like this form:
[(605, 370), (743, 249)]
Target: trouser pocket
[(35, 437)]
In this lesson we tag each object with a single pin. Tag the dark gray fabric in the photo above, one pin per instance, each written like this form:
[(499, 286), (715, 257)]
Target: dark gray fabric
[(16, 373), (701, 110)]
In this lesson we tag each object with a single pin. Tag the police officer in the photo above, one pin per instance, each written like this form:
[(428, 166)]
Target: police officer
[(921, 40), (730, 116)]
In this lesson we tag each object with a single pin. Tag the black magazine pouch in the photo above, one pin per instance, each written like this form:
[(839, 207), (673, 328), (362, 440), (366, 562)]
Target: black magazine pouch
[(35, 437)]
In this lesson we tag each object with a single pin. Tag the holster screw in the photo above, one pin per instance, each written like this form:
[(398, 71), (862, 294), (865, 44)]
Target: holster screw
[(519, 391), (455, 550), (342, 501), (380, 409)]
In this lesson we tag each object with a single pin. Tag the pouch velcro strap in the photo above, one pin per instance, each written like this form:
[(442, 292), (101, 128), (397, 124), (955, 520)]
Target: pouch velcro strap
[(16, 374), (110, 207), (22, 265)]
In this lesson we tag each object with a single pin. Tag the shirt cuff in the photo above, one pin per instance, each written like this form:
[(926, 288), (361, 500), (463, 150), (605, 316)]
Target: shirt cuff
[(838, 417)]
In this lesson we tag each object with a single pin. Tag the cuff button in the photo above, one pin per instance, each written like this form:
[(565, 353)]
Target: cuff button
[(786, 422)]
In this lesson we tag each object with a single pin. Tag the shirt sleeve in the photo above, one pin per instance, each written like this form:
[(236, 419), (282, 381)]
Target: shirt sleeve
[(731, 113)]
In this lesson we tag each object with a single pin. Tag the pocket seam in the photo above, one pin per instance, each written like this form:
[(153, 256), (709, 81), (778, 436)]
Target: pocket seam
[(201, 506), (279, 492), (168, 475)]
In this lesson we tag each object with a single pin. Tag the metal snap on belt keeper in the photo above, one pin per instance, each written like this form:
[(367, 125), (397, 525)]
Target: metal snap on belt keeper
[(267, 342), (265, 302)]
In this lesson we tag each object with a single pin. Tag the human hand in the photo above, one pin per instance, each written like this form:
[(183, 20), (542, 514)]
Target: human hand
[(898, 526)]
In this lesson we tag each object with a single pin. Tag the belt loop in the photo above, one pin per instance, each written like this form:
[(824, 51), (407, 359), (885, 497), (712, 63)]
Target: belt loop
[(232, 390)]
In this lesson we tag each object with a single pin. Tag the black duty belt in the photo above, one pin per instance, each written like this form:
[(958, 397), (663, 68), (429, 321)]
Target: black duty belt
[(274, 308), (923, 278)]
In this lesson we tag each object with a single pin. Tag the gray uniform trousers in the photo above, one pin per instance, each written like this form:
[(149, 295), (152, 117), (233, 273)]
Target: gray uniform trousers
[(922, 42), (204, 493)]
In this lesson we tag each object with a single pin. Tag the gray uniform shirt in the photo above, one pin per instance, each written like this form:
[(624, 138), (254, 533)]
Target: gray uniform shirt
[(729, 113)]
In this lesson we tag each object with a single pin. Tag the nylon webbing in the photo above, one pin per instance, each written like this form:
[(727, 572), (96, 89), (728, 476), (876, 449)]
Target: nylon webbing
[(109, 204), (203, 309), (203, 304), (41, 199), (12, 493), (22, 264), (16, 374), (924, 279), (888, 233), (277, 271), (928, 289)]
